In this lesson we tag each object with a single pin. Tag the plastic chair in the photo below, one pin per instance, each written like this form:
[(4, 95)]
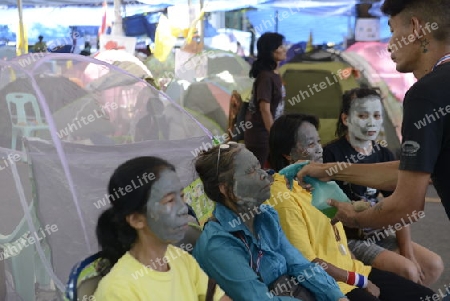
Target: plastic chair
[(25, 257), (85, 277), (21, 123)]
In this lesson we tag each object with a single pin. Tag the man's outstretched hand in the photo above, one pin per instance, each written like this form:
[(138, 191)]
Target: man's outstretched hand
[(313, 170), (346, 214)]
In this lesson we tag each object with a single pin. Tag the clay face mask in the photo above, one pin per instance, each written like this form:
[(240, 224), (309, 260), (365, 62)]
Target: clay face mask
[(364, 121), (251, 183), (307, 145), (167, 213)]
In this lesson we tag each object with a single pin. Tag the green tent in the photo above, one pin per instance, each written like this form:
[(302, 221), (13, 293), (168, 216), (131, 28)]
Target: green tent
[(314, 85)]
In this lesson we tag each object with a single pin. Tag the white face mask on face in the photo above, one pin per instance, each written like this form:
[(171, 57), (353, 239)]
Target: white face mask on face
[(364, 121)]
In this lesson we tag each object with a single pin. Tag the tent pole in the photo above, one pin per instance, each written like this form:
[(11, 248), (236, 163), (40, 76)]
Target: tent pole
[(21, 29)]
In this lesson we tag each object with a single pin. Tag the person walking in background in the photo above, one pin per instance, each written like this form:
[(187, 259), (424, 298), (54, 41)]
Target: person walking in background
[(239, 49), (40, 46), (267, 102)]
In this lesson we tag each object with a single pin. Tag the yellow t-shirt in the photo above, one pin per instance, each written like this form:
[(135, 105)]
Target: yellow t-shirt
[(131, 280), (310, 231)]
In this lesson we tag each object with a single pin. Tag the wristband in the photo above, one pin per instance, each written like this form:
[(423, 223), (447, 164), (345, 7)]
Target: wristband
[(357, 280)]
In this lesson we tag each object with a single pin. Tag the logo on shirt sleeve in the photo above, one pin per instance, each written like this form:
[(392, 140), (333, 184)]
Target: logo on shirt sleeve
[(410, 148)]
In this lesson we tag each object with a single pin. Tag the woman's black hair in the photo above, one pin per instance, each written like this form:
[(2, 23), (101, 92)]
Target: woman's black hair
[(213, 172), (347, 98), (115, 236), (266, 45), (283, 136)]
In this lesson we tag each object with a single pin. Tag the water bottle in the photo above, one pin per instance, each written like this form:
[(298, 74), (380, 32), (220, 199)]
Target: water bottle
[(322, 191)]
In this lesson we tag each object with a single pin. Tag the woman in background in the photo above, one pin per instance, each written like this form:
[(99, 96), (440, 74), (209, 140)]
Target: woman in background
[(267, 103)]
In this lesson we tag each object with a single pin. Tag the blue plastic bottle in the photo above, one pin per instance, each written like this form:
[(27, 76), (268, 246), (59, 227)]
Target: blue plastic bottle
[(322, 191)]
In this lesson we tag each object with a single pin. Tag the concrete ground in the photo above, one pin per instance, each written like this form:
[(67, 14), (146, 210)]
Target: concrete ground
[(430, 232)]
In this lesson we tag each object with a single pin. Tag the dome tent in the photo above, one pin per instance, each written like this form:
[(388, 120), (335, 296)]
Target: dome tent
[(89, 134), (314, 85), (210, 100)]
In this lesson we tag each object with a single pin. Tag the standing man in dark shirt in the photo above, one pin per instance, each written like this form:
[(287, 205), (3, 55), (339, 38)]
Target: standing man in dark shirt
[(420, 44)]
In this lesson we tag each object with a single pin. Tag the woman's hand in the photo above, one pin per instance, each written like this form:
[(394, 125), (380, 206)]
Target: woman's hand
[(373, 289), (343, 299)]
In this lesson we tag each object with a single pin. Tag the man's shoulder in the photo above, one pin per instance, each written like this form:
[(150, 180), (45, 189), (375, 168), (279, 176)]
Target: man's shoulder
[(431, 86)]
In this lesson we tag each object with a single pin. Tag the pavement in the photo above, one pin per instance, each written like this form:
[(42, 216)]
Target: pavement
[(430, 232)]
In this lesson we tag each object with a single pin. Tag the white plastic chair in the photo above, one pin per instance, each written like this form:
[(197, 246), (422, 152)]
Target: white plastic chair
[(20, 121), (25, 262)]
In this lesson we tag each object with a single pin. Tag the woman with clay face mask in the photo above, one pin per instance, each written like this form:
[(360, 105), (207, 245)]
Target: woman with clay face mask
[(295, 137), (267, 102), (358, 126), (247, 233), (136, 232)]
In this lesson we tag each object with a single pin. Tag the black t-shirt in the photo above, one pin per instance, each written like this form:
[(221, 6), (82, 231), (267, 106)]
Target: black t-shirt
[(426, 130), (342, 151), (268, 87)]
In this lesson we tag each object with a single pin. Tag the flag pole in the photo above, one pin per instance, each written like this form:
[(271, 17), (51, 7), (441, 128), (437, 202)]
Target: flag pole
[(21, 41)]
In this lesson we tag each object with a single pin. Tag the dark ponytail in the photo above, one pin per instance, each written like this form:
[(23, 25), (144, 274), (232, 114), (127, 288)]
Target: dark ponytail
[(266, 45), (347, 98), (115, 236)]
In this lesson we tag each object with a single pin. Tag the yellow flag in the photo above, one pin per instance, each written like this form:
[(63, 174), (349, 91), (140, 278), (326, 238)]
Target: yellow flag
[(193, 27), (21, 42), (309, 46), (165, 39)]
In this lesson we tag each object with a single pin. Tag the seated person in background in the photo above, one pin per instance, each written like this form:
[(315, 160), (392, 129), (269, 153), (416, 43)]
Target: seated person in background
[(243, 251), (233, 118), (358, 126), (294, 137), (148, 127), (135, 236)]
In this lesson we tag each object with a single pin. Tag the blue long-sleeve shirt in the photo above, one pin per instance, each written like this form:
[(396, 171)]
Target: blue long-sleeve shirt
[(226, 259)]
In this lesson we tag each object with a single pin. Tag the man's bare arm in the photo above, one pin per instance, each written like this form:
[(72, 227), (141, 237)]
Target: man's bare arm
[(404, 206), (381, 176)]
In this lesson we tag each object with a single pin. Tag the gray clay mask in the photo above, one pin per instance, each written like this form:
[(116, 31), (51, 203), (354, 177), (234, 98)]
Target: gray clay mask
[(251, 183), (167, 213), (307, 145)]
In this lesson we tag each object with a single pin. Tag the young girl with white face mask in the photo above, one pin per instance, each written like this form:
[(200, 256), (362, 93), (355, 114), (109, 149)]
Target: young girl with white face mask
[(360, 122)]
